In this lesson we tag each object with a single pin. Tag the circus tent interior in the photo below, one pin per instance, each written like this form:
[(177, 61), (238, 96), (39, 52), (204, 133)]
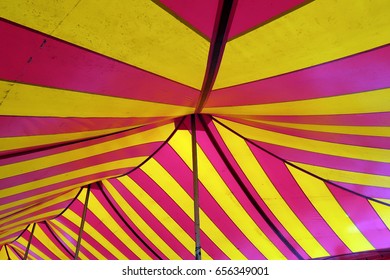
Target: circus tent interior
[(213, 130)]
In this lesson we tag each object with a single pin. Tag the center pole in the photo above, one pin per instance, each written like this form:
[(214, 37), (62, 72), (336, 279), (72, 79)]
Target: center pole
[(196, 190)]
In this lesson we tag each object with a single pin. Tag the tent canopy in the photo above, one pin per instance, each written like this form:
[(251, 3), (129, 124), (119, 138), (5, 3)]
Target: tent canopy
[(194, 129)]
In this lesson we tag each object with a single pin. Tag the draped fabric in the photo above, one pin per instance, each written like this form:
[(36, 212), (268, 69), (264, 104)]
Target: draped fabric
[(120, 120)]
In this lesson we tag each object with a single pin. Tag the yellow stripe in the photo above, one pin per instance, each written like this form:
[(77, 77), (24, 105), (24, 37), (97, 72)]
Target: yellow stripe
[(137, 32), (19, 142), (141, 224), (11, 253), (29, 220), (319, 32), (61, 236), (267, 191), (383, 211), (3, 253), (341, 150), (46, 241), (33, 249), (39, 206), (357, 103), (225, 198), (347, 176), (105, 217), (33, 185), (170, 224), (5, 235), (328, 207), (186, 203), (379, 131), (21, 252), (49, 102), (74, 236), (144, 137)]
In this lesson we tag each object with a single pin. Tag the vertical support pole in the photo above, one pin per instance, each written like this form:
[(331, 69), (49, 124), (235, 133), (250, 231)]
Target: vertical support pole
[(6, 250), (196, 190), (76, 254), (29, 243)]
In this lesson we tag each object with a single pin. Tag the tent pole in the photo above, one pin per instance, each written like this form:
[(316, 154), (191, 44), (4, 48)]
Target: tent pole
[(76, 254), (196, 190), (29, 243), (6, 250)]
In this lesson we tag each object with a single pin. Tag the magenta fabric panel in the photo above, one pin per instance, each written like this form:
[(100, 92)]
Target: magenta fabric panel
[(12, 236), (78, 164), (133, 202), (369, 191), (53, 238), (77, 145), (221, 167), (171, 208), (12, 126), (42, 247), (65, 234), (292, 194), (348, 139), (360, 211), (23, 248), (252, 13), (75, 228), (112, 237), (334, 78), (209, 205), (370, 119), (329, 161), (58, 64), (57, 207), (198, 14)]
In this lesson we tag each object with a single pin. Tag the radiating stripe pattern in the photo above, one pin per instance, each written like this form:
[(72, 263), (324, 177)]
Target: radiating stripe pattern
[(96, 138)]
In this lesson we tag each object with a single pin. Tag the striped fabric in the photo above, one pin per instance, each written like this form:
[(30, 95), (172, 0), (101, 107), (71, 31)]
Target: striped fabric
[(287, 104)]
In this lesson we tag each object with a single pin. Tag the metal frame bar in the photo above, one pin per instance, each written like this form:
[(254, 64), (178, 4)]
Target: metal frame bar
[(29, 242), (76, 254)]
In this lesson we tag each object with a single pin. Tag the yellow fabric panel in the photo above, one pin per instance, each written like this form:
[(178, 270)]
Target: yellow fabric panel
[(137, 32), (267, 191), (347, 176), (321, 31), (63, 238), (76, 219), (383, 211), (5, 234), (170, 224), (380, 131), (95, 207), (149, 136), (223, 196), (41, 205), (176, 192), (357, 103), (32, 249), (46, 241), (323, 200), (19, 142), (49, 102), (3, 253), (126, 163), (35, 218), (342, 150), (139, 222)]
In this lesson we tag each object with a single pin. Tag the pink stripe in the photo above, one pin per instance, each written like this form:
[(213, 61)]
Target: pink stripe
[(75, 229), (65, 235), (12, 248), (373, 192), (254, 13), (221, 167), (58, 64), (170, 206), (370, 119), (184, 178), (131, 152), (360, 211), (76, 181), (23, 249), (12, 126), (81, 144), (20, 207), (200, 14), (297, 201), (10, 236), (120, 244), (42, 247), (28, 218), (122, 213), (348, 139), (50, 235), (338, 77)]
